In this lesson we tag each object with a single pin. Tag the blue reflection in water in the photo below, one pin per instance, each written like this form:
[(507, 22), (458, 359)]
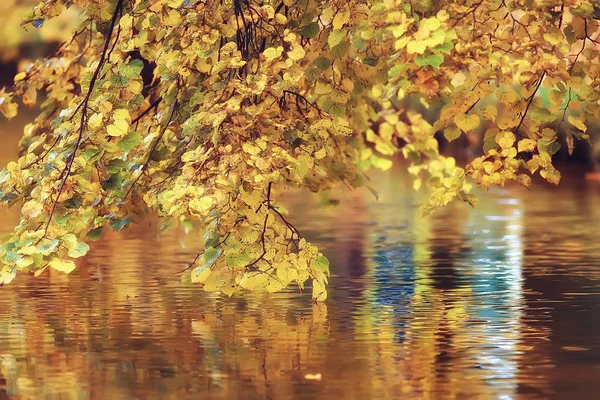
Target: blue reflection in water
[(496, 277), (394, 282)]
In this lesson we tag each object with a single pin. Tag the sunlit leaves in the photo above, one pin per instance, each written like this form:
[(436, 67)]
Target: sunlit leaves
[(238, 100)]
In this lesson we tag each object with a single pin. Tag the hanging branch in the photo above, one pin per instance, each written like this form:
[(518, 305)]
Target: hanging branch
[(84, 106)]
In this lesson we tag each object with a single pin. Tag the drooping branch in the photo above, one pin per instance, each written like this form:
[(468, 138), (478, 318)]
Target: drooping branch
[(84, 106)]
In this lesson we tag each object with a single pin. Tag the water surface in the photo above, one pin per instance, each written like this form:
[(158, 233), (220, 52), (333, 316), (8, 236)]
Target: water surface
[(498, 302)]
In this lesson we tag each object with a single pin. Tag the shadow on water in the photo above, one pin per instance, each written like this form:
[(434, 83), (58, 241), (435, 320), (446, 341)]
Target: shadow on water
[(498, 302)]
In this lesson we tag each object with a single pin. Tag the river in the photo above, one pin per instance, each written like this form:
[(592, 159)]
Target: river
[(499, 302)]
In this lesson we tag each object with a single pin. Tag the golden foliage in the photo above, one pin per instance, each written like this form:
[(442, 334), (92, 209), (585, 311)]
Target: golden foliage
[(200, 110)]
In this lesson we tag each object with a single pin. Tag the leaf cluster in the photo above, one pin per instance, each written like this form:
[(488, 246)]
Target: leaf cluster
[(201, 110)]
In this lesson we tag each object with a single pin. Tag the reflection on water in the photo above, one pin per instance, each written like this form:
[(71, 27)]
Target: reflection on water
[(498, 302)]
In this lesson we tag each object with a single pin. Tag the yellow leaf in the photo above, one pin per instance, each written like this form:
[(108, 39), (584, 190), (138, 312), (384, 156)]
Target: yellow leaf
[(201, 204), (67, 266), (341, 19), (554, 35), (452, 133), (508, 123), (6, 276), (95, 121), (466, 122), (577, 122), (121, 113), (526, 145), (32, 209), (507, 97), (430, 24), (415, 47), (281, 19), (173, 18), (505, 139), (8, 108), (273, 52), (489, 112), (119, 128), (297, 53), (551, 175), (173, 3), (319, 293), (320, 154), (251, 148), (336, 37), (24, 262), (200, 274)]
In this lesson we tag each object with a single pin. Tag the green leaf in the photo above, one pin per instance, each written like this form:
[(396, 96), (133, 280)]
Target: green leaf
[(115, 166), (79, 251), (336, 37), (119, 80), (209, 257), (119, 224), (113, 183), (311, 30), (340, 50), (95, 234), (444, 47), (131, 70), (74, 202), (47, 248), (129, 141), (93, 155), (321, 263), (396, 69), (240, 260), (66, 266), (434, 60), (323, 63)]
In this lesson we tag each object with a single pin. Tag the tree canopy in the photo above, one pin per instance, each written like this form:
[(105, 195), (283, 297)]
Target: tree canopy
[(200, 111)]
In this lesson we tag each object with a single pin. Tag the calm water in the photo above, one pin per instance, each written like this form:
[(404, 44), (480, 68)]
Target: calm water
[(501, 302)]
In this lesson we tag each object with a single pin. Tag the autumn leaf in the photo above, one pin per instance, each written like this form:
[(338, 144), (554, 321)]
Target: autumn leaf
[(467, 122), (65, 266)]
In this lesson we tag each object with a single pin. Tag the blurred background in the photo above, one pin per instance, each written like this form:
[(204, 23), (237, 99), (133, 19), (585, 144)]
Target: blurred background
[(18, 45)]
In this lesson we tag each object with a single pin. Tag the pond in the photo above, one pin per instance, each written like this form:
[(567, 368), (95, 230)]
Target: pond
[(502, 301)]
